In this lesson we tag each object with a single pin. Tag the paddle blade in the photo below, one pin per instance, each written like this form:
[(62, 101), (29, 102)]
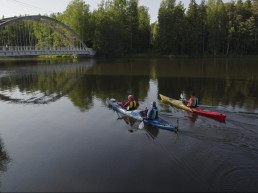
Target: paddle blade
[(141, 125), (182, 96)]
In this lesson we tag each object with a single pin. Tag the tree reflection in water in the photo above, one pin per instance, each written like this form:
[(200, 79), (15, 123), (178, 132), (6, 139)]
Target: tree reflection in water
[(4, 158)]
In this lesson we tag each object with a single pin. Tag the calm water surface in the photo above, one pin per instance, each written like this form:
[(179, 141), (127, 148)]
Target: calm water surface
[(58, 134)]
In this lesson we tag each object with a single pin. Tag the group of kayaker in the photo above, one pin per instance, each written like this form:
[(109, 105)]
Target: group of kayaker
[(153, 111)]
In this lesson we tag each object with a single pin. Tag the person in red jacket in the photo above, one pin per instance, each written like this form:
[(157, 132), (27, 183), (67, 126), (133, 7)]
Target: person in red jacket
[(193, 101), (130, 104)]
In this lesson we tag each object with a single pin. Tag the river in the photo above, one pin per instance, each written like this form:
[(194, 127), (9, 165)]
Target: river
[(58, 134)]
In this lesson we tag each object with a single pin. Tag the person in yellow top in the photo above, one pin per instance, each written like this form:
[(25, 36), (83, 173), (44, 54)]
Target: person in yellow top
[(130, 104)]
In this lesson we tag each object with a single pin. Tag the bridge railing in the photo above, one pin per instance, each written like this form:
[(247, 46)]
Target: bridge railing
[(36, 50)]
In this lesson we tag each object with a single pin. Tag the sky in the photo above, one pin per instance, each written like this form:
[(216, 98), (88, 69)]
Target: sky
[(10, 8)]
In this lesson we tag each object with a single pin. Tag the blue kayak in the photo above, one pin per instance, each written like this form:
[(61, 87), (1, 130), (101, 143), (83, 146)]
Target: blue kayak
[(139, 115)]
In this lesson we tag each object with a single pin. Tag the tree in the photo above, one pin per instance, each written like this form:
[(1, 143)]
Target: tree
[(217, 23), (133, 22), (231, 12), (77, 16), (166, 35), (196, 28), (109, 35), (180, 28), (143, 37), (121, 27), (203, 24), (154, 34), (193, 28), (255, 13)]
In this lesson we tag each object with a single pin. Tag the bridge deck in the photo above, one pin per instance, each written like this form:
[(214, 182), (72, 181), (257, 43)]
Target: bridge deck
[(34, 51)]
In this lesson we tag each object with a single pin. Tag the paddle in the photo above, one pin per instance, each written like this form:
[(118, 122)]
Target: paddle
[(141, 125), (183, 99), (177, 127)]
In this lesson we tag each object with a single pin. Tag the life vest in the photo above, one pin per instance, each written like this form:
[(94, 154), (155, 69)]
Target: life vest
[(154, 114), (195, 103), (132, 105)]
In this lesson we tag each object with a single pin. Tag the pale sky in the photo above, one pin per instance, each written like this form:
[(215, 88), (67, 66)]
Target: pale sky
[(10, 8)]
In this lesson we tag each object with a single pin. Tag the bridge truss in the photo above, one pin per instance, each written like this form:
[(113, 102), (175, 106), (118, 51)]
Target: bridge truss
[(39, 35)]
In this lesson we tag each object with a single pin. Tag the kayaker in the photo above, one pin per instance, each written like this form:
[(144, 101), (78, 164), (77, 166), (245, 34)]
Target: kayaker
[(193, 101), (130, 104), (153, 111)]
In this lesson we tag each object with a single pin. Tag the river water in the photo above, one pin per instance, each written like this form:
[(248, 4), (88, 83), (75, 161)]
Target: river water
[(58, 134)]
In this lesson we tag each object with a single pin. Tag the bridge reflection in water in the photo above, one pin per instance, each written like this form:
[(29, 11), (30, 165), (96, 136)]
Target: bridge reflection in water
[(41, 84)]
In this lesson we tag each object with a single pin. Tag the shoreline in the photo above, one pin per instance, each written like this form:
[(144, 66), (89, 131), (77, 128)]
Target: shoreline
[(141, 55)]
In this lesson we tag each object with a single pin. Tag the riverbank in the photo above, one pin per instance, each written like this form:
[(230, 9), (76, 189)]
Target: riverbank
[(148, 54), (159, 55)]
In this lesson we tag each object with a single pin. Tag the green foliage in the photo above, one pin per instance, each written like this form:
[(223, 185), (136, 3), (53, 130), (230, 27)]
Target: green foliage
[(77, 16), (213, 27), (142, 35), (120, 27), (172, 23), (108, 38), (197, 34)]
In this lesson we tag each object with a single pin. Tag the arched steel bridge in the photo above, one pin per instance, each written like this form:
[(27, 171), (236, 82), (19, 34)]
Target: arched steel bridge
[(16, 50)]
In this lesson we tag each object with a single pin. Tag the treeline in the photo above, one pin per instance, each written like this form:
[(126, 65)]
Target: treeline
[(116, 28), (208, 28), (121, 27)]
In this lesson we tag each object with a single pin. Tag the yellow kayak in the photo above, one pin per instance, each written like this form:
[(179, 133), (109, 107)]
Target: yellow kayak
[(175, 102)]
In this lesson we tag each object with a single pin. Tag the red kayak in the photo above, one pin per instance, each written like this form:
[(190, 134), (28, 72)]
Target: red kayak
[(197, 110), (208, 113)]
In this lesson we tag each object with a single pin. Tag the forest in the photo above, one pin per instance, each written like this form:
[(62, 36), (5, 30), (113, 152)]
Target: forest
[(121, 27)]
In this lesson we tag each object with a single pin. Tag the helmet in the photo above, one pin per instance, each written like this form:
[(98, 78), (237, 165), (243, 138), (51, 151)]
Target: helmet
[(130, 97), (153, 103)]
